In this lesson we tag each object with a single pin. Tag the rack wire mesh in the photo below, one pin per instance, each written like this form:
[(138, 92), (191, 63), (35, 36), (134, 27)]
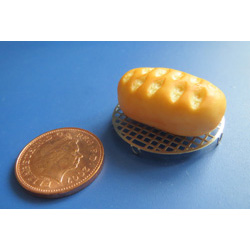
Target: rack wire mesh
[(143, 137)]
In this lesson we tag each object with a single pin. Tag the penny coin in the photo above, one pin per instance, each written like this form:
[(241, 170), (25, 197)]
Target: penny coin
[(60, 162)]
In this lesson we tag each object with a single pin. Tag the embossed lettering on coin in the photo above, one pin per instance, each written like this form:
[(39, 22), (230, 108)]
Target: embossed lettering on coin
[(60, 162)]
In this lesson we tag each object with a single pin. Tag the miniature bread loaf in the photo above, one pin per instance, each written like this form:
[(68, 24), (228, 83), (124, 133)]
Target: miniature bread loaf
[(171, 100)]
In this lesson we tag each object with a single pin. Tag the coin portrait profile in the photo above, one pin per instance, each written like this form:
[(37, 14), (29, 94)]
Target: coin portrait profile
[(55, 159), (60, 162)]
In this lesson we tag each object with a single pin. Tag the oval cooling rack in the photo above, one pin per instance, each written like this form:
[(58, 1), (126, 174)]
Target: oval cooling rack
[(143, 137)]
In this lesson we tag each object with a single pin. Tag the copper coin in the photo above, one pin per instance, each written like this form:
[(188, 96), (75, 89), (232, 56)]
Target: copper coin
[(60, 162)]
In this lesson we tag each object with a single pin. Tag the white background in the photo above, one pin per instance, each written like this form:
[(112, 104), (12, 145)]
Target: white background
[(124, 20), (125, 229)]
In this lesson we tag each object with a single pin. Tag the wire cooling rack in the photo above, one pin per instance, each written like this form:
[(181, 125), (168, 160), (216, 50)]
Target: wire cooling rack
[(143, 137)]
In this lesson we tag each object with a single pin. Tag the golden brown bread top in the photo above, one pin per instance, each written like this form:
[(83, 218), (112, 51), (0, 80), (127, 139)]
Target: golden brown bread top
[(171, 100), (177, 84)]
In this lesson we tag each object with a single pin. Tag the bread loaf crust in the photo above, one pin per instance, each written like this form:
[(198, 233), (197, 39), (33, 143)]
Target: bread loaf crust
[(171, 100)]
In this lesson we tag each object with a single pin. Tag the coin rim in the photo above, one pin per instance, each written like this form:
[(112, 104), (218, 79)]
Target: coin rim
[(60, 192)]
